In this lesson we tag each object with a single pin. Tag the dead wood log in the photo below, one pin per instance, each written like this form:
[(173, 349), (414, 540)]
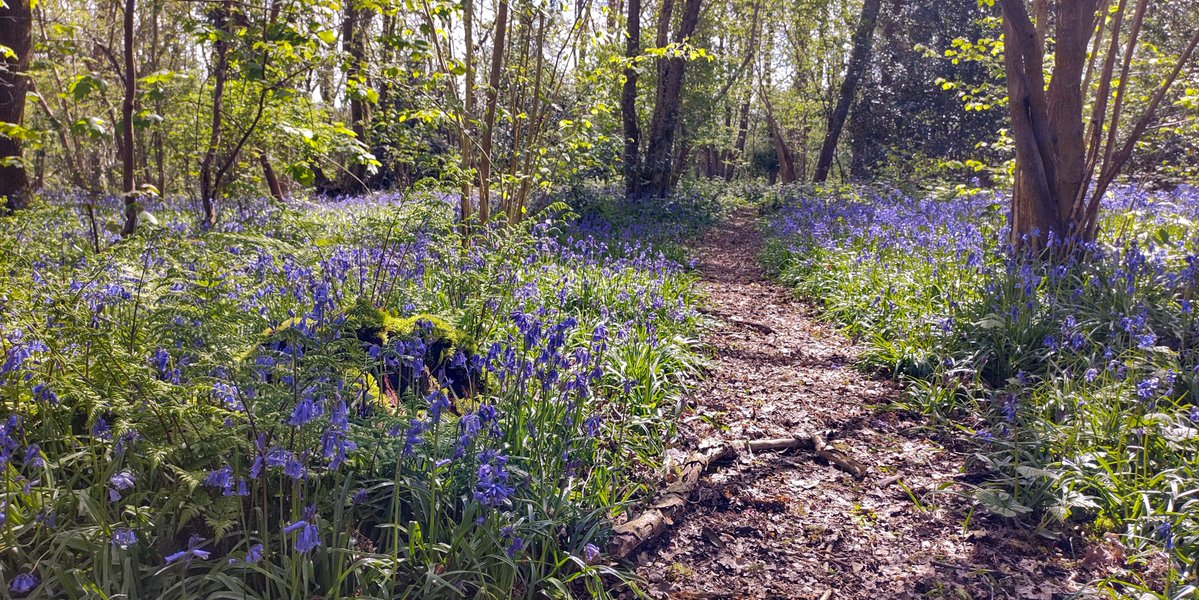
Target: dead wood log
[(760, 327), (671, 502)]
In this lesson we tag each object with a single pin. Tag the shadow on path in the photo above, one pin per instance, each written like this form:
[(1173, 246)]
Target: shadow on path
[(788, 526)]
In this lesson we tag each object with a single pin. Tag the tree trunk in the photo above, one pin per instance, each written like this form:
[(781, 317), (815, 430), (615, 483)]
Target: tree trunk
[(128, 151), (16, 32), (1044, 166), (666, 111), (493, 90), (220, 75), (464, 135), (353, 39), (272, 179), (628, 103), (859, 57), (786, 158), (742, 133)]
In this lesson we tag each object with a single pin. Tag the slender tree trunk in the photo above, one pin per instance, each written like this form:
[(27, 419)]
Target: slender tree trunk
[(786, 158), (158, 139), (859, 57), (536, 118), (666, 111), (219, 76), (628, 103), (272, 179), (465, 138), (680, 160), (742, 133), (493, 89), (16, 32), (128, 150), (353, 39)]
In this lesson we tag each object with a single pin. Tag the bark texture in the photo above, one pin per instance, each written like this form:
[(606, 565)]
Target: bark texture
[(493, 89), (16, 29), (658, 155), (128, 105), (628, 102), (859, 57)]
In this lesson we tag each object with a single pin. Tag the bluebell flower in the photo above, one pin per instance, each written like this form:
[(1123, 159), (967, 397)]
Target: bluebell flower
[(306, 411), (122, 481), (100, 429), (254, 554), (1166, 532), (309, 537), (23, 583), (1010, 407), (192, 551), (590, 553), (221, 478), (515, 547), (1147, 388), (412, 437), (438, 403), (43, 392), (491, 488), (124, 538), (33, 457), (1146, 341)]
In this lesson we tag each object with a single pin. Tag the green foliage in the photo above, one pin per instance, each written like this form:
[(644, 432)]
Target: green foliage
[(1074, 378), (237, 393)]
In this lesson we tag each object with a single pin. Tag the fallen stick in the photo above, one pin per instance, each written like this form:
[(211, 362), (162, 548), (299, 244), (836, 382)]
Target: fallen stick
[(670, 503), (760, 327)]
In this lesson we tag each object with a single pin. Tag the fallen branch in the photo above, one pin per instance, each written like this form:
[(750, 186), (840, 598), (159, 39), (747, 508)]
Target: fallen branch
[(670, 503), (760, 327)]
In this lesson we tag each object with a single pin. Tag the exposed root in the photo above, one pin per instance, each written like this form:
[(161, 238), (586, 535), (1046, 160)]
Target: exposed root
[(672, 501)]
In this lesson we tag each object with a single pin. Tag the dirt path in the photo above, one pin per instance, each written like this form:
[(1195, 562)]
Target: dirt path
[(788, 526)]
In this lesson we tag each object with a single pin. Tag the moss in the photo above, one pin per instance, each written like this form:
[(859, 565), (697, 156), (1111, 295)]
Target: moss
[(374, 326)]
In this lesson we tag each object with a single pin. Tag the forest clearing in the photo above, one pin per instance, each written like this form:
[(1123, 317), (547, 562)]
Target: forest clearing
[(386, 299)]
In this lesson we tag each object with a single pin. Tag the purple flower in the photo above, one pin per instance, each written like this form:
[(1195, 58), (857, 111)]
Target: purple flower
[(1147, 389), (124, 538), (590, 553), (23, 583), (515, 547), (122, 481), (309, 537), (193, 551), (33, 457), (100, 429), (492, 489), (254, 554), (42, 392), (1166, 531), (221, 478), (1011, 406), (438, 403), (305, 412), (412, 437)]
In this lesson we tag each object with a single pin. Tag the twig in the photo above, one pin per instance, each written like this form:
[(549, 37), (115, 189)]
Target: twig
[(760, 327), (670, 503)]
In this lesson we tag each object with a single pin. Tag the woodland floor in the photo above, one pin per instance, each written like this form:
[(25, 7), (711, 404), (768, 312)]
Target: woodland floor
[(787, 525)]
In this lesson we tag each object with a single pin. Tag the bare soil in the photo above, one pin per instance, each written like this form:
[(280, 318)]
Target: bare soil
[(786, 525)]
